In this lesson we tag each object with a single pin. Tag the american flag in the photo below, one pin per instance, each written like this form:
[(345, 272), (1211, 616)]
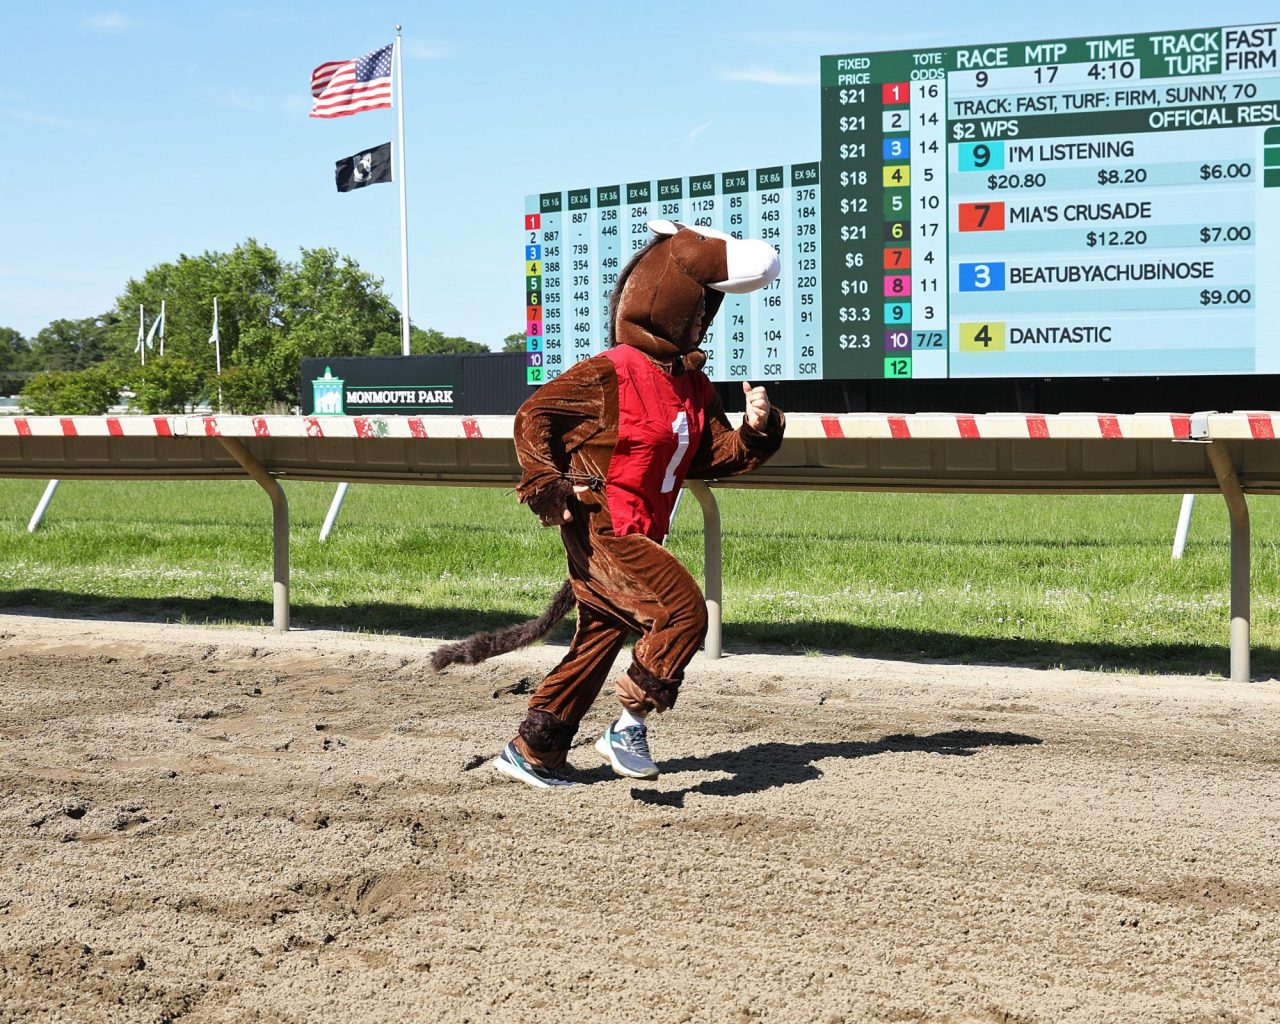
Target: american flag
[(349, 86)]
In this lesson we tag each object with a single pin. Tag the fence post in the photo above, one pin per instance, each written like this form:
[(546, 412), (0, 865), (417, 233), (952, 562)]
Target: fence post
[(42, 505), (1238, 511), (335, 506), (280, 527), (711, 564), (1184, 525)]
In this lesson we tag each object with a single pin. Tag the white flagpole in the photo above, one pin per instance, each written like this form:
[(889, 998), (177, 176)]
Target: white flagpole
[(142, 337), (404, 223), (216, 338), (162, 326)]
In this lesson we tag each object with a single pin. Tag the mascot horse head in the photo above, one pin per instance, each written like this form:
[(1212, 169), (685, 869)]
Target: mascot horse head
[(669, 292)]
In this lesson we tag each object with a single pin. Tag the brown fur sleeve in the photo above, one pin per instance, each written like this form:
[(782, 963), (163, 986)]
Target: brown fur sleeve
[(728, 452), (559, 418)]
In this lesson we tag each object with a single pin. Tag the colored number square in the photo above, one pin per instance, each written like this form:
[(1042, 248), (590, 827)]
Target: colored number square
[(1271, 177), (981, 277), (897, 147), (981, 156), (897, 312), (534, 359), (532, 221), (533, 375), (1271, 156), (982, 337), (896, 202), (897, 286), (897, 175), (533, 268), (532, 344), (897, 231), (533, 327), (533, 312), (981, 216), (894, 121), (897, 259), (533, 252), (897, 341), (895, 92), (897, 366)]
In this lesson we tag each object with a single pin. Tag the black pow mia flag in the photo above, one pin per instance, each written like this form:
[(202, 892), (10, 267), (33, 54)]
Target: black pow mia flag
[(367, 168)]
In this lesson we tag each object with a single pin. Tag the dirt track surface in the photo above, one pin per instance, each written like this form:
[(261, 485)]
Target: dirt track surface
[(222, 825)]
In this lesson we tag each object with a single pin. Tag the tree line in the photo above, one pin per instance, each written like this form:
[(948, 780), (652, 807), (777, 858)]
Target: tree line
[(272, 312)]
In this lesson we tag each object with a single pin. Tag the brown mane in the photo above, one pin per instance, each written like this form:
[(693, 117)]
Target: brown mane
[(622, 280)]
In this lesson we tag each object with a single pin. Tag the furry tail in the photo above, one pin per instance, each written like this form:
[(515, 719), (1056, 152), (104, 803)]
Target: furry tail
[(483, 646)]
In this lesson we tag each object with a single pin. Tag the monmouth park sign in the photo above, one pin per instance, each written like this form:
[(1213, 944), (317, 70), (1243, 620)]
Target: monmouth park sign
[(407, 385)]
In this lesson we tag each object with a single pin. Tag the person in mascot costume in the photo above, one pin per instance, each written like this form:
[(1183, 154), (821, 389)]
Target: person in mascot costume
[(604, 449)]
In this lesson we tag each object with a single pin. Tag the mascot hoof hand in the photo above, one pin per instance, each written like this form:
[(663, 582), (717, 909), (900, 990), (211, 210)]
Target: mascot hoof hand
[(551, 503)]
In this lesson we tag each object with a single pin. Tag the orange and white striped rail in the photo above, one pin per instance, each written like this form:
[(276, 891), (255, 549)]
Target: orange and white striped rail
[(1261, 425), (1182, 452)]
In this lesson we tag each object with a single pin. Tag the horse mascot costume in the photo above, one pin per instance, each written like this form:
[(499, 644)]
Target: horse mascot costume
[(604, 449)]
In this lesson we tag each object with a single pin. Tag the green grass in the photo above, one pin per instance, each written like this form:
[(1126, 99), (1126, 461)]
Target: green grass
[(1072, 580)]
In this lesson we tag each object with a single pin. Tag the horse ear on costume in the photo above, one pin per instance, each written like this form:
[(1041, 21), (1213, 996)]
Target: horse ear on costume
[(663, 227)]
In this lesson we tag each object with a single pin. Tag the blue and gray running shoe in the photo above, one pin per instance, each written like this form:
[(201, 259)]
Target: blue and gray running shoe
[(628, 751), (513, 766)]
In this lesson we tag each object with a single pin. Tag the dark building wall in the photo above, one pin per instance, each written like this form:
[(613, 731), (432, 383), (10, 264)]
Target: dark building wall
[(494, 385)]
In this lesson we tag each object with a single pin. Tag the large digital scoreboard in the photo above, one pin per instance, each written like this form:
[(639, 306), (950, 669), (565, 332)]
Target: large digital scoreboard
[(576, 242), (1082, 207)]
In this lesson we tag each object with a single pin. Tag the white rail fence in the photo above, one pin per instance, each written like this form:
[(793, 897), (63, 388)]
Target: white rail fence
[(1079, 453)]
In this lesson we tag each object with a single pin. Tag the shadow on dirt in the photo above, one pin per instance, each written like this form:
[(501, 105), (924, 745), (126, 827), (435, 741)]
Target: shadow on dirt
[(815, 636), (769, 765)]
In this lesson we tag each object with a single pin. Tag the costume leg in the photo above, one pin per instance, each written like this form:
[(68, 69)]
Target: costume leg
[(654, 594), (568, 691)]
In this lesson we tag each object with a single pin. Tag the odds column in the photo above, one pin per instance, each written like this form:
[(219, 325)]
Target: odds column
[(534, 323), (896, 285), (550, 205), (929, 350)]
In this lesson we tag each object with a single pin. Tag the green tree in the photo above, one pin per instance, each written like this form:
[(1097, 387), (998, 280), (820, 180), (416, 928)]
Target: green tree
[(73, 344), (245, 281), (272, 314), (327, 306), (88, 392), (243, 389), (515, 342), (430, 342), (15, 352), (168, 384)]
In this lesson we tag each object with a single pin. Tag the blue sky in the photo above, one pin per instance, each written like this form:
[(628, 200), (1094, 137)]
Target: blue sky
[(136, 132)]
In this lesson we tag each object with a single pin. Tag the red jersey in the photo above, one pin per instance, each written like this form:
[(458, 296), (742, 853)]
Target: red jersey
[(660, 424)]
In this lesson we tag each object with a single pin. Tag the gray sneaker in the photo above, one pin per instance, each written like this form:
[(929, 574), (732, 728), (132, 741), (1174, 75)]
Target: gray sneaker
[(513, 766), (628, 751)]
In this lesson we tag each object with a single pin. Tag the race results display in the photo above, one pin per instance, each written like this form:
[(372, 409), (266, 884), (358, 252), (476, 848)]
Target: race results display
[(1088, 207), (1078, 207), (576, 242)]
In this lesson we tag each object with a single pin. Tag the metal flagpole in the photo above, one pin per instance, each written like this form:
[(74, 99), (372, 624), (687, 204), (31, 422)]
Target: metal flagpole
[(217, 351), (162, 326), (404, 223), (142, 336)]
